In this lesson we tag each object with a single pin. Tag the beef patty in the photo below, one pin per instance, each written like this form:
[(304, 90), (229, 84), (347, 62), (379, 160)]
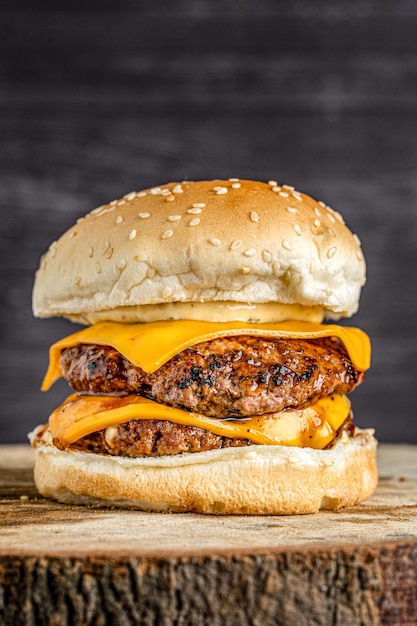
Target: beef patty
[(144, 438), (225, 377)]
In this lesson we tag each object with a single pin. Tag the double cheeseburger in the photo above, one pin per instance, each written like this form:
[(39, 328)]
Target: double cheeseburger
[(205, 379)]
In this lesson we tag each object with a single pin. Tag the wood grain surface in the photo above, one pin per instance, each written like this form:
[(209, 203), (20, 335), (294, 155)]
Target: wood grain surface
[(100, 98), (66, 564)]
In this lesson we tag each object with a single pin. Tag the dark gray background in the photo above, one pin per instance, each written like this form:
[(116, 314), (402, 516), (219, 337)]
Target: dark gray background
[(99, 98)]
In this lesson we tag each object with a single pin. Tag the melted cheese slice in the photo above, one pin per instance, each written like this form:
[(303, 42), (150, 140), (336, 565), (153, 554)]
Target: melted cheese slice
[(313, 427), (149, 346)]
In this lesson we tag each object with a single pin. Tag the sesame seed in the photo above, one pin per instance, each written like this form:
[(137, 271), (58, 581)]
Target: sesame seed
[(267, 256), (109, 253), (156, 191), (170, 199), (167, 234), (331, 252), (214, 241), (167, 292), (177, 189), (277, 188), (132, 234), (297, 229), (246, 270), (151, 272), (356, 238), (144, 215), (316, 222), (288, 187), (121, 202), (235, 244), (297, 196), (272, 183), (199, 205), (90, 252), (254, 216), (321, 203), (250, 252), (330, 216), (165, 192), (122, 264), (194, 211), (72, 234), (106, 247), (339, 217), (284, 194), (194, 222), (112, 203), (119, 219), (103, 210), (52, 250), (174, 218), (220, 190), (276, 267), (291, 209), (286, 244), (236, 186), (359, 255), (317, 211), (130, 196), (98, 267), (234, 180), (141, 194)]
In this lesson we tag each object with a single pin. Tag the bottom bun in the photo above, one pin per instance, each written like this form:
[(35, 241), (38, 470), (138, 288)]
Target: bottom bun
[(255, 480)]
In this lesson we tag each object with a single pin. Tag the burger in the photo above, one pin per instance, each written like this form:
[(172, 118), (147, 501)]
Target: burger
[(206, 378)]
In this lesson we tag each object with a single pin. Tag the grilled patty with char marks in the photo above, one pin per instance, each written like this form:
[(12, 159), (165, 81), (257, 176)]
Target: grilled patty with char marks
[(150, 438), (226, 377)]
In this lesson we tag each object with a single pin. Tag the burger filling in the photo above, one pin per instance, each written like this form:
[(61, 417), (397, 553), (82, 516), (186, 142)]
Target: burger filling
[(227, 377), (140, 438), (232, 378)]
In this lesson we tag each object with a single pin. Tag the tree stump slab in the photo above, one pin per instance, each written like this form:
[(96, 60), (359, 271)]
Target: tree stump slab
[(62, 564)]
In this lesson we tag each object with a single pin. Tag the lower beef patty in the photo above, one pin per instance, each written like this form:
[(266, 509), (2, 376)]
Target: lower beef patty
[(226, 377), (139, 438), (144, 438)]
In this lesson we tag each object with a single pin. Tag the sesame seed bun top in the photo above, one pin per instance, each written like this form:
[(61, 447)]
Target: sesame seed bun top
[(218, 250)]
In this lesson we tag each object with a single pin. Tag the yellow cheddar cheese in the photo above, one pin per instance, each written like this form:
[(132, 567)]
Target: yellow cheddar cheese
[(149, 346), (312, 427)]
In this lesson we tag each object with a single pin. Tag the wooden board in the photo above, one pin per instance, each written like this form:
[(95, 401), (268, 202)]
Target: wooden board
[(87, 565)]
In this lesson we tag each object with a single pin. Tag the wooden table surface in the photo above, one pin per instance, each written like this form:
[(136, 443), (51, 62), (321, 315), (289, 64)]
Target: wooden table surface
[(67, 564)]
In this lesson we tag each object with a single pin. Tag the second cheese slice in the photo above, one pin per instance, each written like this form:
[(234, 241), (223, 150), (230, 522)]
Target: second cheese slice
[(312, 427)]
